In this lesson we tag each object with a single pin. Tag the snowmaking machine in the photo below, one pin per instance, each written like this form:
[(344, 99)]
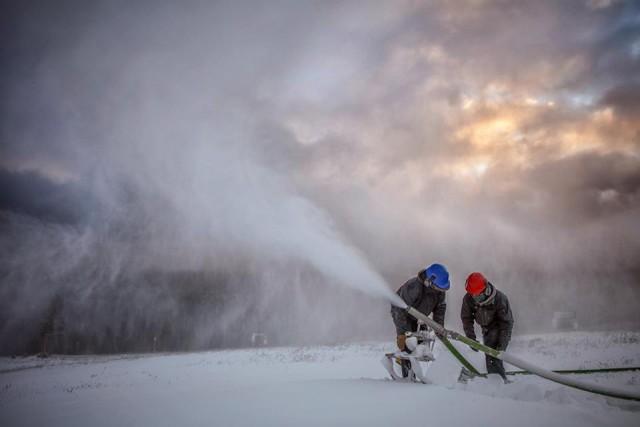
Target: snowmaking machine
[(420, 345)]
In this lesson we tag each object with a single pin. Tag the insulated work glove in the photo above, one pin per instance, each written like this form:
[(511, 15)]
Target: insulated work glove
[(401, 341)]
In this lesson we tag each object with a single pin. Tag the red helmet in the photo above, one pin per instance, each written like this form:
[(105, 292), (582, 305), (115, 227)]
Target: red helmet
[(475, 284)]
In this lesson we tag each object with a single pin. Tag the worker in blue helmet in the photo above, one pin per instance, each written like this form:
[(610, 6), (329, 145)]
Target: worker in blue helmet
[(425, 293)]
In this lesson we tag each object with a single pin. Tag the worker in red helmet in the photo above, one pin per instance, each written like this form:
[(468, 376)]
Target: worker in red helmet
[(490, 309)]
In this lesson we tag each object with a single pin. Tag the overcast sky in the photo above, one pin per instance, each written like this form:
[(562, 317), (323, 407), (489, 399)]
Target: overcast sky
[(499, 136)]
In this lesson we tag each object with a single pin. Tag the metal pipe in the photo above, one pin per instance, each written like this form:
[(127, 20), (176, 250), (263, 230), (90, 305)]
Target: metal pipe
[(583, 371), (437, 327)]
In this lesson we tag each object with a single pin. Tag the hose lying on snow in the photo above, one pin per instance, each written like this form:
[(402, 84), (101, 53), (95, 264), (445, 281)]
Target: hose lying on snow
[(583, 371), (515, 361)]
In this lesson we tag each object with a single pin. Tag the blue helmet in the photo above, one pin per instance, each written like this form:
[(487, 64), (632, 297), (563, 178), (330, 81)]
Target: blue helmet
[(438, 275)]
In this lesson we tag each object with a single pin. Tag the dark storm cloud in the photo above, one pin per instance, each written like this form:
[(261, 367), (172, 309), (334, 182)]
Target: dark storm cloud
[(30, 193), (625, 100), (616, 51), (591, 184), (573, 190)]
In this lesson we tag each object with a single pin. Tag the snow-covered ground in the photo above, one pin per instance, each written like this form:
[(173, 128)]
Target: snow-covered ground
[(317, 386)]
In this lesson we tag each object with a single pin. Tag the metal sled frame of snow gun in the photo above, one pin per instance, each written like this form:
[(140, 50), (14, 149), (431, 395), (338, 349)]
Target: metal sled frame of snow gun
[(415, 373), (515, 361)]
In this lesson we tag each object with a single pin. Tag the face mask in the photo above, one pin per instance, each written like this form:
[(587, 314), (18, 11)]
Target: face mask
[(482, 296)]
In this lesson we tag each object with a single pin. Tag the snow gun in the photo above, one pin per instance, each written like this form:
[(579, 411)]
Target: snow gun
[(444, 334)]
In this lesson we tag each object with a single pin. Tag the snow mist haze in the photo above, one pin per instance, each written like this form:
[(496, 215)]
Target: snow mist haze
[(185, 175)]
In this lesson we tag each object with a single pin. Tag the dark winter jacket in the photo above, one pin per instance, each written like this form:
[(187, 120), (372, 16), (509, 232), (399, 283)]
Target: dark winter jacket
[(424, 299), (494, 315)]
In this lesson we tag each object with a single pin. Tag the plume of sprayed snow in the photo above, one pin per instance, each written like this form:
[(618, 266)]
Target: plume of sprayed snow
[(166, 111)]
